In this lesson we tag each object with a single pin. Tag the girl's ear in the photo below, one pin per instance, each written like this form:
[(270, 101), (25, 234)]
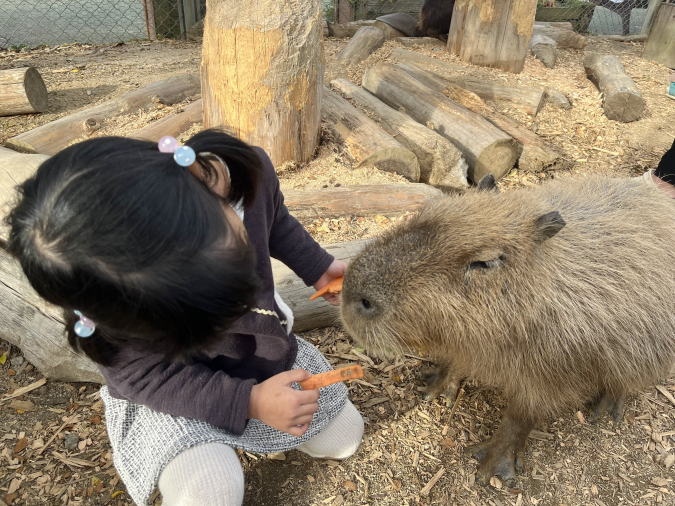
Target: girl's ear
[(547, 225)]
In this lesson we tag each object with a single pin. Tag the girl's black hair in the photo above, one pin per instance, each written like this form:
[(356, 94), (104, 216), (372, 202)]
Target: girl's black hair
[(666, 167), (118, 230)]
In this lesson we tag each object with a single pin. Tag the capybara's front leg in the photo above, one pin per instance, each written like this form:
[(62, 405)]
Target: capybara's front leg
[(441, 380), (610, 402), (499, 456)]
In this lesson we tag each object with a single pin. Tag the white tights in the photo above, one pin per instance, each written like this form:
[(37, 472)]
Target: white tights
[(210, 474)]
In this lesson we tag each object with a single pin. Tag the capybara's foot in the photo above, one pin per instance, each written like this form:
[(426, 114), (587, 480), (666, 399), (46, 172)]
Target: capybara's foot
[(440, 382), (611, 403), (496, 459)]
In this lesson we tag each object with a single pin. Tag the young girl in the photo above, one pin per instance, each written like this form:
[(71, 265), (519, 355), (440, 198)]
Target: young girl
[(160, 257)]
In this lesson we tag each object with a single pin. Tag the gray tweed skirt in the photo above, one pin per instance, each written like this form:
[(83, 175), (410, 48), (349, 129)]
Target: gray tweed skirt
[(145, 441)]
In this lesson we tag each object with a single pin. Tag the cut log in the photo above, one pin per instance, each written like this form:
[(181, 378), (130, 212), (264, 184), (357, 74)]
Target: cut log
[(14, 169), (626, 38), (52, 137), (622, 100), (420, 41), (389, 31), (565, 39), (364, 141), (400, 21), (487, 149), (544, 49), (492, 34), (660, 45), (528, 100), (534, 155), (556, 97), (348, 30), (364, 42), (174, 124), (262, 74), (22, 91), (364, 200), (565, 25), (441, 163)]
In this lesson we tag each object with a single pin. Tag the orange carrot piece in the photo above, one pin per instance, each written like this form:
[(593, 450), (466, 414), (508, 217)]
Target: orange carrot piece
[(334, 286), (328, 378)]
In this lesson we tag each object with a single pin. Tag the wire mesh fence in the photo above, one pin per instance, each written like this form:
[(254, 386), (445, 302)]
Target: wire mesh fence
[(34, 22)]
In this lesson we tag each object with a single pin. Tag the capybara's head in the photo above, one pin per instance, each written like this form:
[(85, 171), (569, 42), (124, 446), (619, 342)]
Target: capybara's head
[(451, 262)]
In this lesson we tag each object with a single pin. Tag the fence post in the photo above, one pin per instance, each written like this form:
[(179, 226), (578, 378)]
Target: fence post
[(149, 15), (345, 11)]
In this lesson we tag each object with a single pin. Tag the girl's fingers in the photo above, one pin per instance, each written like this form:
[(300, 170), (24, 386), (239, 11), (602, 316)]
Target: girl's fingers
[(307, 396), (308, 409), (298, 430), (305, 419)]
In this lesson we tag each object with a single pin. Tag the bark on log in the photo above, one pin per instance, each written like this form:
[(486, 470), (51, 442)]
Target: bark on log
[(364, 141), (364, 200), (420, 41), (544, 49), (348, 30), (262, 74), (534, 155), (364, 42), (487, 149), (389, 31), (492, 34), (37, 328), (173, 124), (528, 100), (14, 169), (442, 164), (22, 91), (400, 21), (622, 100), (565, 39), (52, 137)]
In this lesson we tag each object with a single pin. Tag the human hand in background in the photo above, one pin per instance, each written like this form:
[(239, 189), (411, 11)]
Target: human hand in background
[(335, 270)]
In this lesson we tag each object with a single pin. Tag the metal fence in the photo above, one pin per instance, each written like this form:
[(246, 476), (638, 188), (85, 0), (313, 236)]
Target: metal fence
[(34, 22)]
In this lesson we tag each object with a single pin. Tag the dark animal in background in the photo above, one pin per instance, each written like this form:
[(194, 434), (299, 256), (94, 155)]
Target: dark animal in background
[(556, 295), (435, 18)]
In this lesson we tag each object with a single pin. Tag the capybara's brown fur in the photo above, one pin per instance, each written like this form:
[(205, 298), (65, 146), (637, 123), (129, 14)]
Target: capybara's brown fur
[(557, 295), (435, 18)]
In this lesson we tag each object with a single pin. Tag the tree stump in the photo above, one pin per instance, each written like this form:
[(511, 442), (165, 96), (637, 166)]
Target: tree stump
[(22, 91), (492, 33), (262, 74), (622, 100), (364, 141), (660, 45), (487, 149)]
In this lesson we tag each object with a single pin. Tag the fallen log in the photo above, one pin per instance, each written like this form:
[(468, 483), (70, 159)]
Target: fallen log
[(345, 30), (420, 41), (566, 39), (366, 40), (487, 149), (528, 100), (441, 163), (565, 25), (399, 21), (544, 49), (622, 100), (22, 91), (52, 137), (363, 200), (37, 328), (364, 141), (534, 155), (174, 124), (626, 38), (389, 31)]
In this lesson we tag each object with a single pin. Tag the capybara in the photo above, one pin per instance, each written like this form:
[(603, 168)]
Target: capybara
[(435, 18), (557, 295)]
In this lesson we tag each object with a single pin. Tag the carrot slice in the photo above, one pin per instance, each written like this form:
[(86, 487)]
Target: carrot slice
[(328, 378), (334, 286)]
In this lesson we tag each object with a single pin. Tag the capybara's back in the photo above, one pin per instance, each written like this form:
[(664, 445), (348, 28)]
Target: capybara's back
[(556, 294)]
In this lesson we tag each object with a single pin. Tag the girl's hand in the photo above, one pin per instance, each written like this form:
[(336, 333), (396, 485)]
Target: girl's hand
[(335, 270), (278, 405)]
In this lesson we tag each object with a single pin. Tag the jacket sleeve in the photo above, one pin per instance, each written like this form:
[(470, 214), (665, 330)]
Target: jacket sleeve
[(289, 241), (187, 390)]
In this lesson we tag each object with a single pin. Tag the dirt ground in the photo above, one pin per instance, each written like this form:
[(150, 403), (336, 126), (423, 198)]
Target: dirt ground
[(53, 444)]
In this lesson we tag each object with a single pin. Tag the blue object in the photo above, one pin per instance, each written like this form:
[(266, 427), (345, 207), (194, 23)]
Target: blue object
[(671, 90), (185, 156)]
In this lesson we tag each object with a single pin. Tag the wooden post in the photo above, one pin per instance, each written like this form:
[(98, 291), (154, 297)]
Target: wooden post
[(344, 12), (649, 17), (660, 46), (149, 16), (492, 33), (22, 91), (262, 74)]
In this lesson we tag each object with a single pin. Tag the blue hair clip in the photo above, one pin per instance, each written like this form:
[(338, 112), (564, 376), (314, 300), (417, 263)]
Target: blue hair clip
[(184, 155), (84, 327)]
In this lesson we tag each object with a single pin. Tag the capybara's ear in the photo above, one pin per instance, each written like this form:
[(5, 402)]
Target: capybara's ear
[(487, 183), (548, 225)]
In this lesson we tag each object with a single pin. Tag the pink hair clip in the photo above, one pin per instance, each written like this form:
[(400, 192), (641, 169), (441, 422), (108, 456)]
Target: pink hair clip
[(184, 155), (84, 327)]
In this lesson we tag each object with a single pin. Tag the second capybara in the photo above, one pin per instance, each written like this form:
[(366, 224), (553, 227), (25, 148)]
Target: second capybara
[(558, 295), (435, 18)]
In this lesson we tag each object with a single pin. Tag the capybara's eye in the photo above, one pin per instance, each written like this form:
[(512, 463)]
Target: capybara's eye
[(365, 303)]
